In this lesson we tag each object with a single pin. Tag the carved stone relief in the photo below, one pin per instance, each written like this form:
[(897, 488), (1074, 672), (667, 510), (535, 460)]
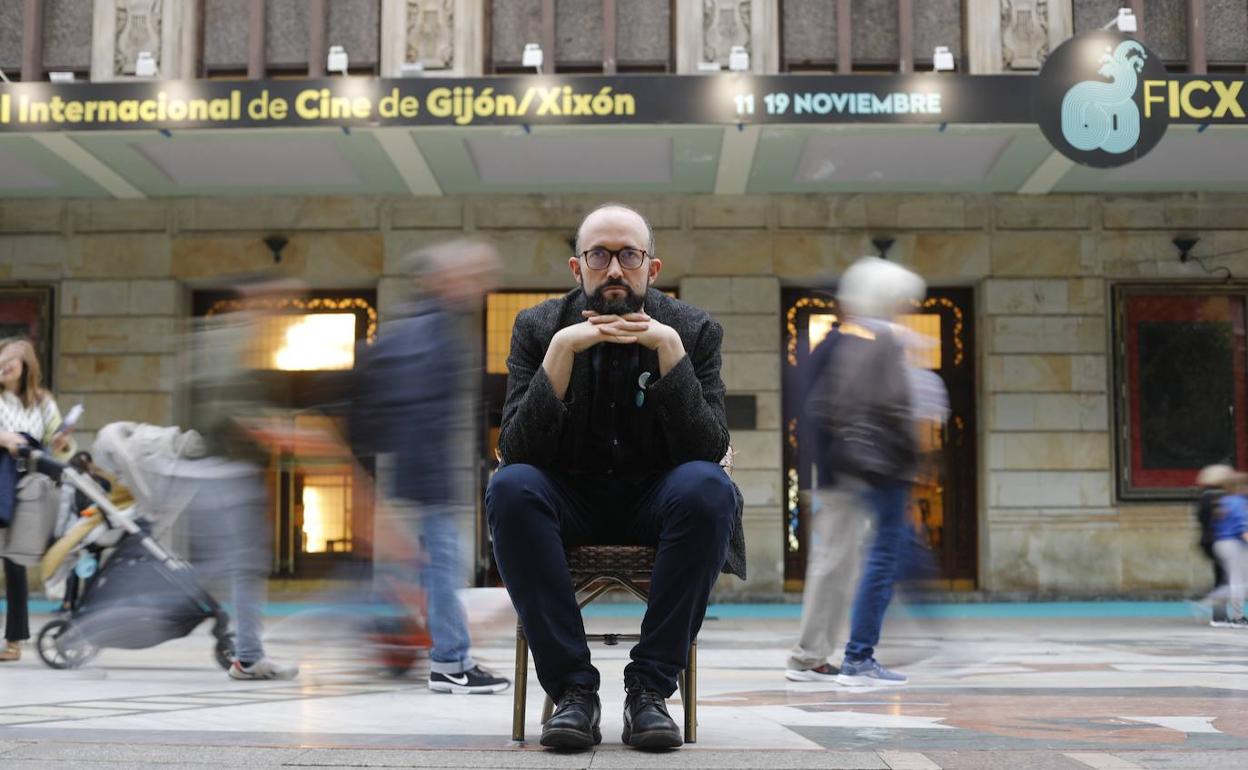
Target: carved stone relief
[(431, 33), (1024, 33), (138, 29), (725, 23)]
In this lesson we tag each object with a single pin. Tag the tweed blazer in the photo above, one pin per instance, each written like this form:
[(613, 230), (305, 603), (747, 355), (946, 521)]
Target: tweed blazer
[(688, 422)]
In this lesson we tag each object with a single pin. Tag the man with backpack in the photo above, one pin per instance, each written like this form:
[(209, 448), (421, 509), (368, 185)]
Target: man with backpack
[(859, 404)]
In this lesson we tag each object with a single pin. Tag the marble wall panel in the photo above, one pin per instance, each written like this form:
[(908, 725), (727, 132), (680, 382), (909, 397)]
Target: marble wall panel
[(225, 33), (578, 31), (809, 30), (644, 31), (355, 25), (515, 22), (66, 35), (286, 33)]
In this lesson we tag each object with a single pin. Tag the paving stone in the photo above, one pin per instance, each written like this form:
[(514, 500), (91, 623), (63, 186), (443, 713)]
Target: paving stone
[(742, 760), (515, 758), (1176, 760), (143, 754), (1014, 760)]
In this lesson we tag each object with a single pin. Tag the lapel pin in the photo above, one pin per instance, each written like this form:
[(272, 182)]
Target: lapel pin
[(642, 382)]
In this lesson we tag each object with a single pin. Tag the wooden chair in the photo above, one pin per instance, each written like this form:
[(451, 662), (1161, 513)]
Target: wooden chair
[(597, 569)]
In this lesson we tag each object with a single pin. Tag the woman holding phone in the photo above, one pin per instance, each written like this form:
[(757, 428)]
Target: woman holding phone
[(26, 409)]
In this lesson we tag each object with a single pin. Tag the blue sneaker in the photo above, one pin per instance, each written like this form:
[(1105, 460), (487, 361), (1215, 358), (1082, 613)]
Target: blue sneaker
[(867, 673)]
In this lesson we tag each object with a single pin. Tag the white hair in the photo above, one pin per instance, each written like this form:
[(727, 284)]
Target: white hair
[(876, 288)]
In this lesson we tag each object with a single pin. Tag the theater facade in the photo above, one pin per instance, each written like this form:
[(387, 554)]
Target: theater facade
[(1074, 197)]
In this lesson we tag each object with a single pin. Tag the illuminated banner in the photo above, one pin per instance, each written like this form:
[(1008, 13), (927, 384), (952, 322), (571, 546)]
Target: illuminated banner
[(1102, 99), (511, 101)]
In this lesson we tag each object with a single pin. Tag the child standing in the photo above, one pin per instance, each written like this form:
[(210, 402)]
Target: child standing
[(1230, 545)]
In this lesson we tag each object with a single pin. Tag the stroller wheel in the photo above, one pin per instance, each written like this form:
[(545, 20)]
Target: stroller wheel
[(224, 651), (60, 645)]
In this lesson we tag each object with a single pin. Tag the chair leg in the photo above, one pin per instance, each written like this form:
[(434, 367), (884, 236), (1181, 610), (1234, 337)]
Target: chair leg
[(680, 688), (521, 685), (548, 708), (689, 694)]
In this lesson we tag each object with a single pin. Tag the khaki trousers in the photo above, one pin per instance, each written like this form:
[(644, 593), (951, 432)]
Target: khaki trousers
[(838, 529)]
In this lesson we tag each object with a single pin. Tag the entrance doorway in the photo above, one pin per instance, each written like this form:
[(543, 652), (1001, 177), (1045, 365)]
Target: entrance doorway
[(943, 509), (321, 502)]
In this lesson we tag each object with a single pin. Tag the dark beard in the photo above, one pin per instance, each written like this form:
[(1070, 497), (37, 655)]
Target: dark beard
[(632, 302)]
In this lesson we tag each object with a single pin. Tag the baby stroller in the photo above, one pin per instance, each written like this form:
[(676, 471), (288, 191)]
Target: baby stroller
[(139, 595)]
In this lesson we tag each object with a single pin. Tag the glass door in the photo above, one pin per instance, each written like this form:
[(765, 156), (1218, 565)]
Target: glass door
[(943, 508)]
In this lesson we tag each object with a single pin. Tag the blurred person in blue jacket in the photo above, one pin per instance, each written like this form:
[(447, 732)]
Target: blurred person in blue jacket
[(1230, 544), (1210, 480), (409, 389)]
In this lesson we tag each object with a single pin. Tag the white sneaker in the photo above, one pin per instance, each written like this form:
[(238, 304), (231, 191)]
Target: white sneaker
[(825, 673), (475, 680), (265, 668)]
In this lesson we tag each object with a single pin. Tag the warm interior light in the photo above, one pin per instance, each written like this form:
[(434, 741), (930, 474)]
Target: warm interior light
[(925, 324), (820, 327), (313, 521), (326, 514), (315, 341)]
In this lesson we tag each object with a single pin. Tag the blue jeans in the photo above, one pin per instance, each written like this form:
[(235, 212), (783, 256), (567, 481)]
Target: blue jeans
[(887, 504), (439, 577), (686, 513), (230, 542)]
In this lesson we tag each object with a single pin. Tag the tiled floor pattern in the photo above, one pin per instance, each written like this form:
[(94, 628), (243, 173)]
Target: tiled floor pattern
[(1110, 694)]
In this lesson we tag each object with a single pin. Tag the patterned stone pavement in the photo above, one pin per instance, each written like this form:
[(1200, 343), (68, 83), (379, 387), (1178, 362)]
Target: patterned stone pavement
[(1104, 692)]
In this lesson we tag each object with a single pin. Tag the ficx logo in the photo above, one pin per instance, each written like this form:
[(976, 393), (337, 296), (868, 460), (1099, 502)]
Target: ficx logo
[(1090, 99)]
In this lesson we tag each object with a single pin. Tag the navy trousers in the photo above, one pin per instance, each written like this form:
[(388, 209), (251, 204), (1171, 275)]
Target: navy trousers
[(534, 514), (17, 594)]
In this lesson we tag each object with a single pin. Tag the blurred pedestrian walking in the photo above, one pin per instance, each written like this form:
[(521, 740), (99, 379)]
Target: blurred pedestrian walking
[(1230, 541), (860, 404), (233, 401), (1210, 480), (410, 386)]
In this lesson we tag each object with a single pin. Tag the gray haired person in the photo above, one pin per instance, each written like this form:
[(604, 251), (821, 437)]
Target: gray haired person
[(860, 402)]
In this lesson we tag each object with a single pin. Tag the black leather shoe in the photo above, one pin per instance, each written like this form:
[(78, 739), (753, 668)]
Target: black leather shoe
[(574, 725), (647, 725)]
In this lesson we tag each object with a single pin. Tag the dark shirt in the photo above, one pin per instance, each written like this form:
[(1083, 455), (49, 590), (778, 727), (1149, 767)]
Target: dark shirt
[(614, 442), (1204, 514)]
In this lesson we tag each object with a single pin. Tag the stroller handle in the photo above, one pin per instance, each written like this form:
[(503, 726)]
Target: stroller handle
[(41, 462)]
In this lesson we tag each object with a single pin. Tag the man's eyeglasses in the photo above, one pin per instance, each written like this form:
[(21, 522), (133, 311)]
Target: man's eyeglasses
[(599, 257)]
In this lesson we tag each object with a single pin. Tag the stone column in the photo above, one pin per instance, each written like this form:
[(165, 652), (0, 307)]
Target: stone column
[(1015, 35), (446, 36), (123, 28), (748, 308), (706, 32)]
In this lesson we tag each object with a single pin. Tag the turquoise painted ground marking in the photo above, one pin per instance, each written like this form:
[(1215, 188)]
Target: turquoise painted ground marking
[(984, 610)]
